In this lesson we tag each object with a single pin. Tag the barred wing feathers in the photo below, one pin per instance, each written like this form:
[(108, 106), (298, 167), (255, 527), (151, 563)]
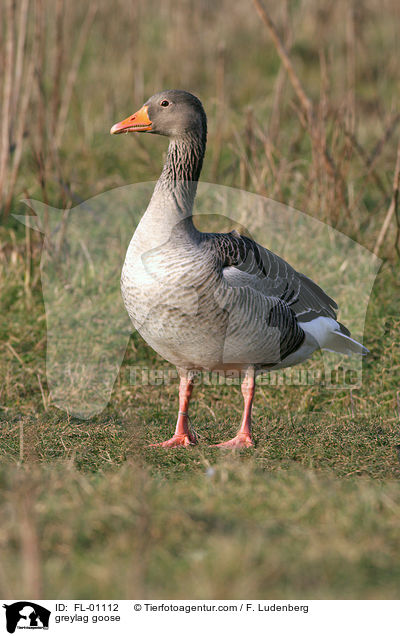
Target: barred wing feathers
[(273, 276)]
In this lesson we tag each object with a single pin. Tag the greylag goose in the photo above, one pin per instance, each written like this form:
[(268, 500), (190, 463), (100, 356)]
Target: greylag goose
[(207, 301)]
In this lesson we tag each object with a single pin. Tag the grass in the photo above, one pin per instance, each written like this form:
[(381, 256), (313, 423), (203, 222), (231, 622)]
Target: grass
[(182, 528), (311, 512), (87, 508)]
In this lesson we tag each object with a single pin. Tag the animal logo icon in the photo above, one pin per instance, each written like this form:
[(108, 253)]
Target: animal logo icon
[(26, 615)]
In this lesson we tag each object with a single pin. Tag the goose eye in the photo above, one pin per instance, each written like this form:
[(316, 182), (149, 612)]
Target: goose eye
[(165, 103)]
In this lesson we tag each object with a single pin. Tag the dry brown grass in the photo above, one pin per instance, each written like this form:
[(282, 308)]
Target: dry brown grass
[(321, 137)]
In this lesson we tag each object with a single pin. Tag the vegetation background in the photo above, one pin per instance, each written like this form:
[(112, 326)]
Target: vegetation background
[(303, 105)]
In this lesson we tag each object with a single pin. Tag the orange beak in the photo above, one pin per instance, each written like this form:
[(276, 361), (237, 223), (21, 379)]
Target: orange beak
[(139, 122)]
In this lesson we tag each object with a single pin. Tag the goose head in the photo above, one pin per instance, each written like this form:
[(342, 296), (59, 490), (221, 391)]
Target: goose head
[(173, 113)]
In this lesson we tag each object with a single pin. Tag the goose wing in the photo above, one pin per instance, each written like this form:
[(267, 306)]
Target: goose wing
[(246, 263)]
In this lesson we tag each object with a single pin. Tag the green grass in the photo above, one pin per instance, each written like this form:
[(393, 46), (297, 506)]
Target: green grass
[(87, 508), (182, 528), (312, 512)]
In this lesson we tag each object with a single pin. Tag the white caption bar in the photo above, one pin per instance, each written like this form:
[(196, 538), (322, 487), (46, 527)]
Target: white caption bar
[(267, 617)]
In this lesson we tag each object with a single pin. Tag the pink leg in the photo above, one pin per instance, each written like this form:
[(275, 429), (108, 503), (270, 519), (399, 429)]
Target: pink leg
[(183, 436), (243, 438)]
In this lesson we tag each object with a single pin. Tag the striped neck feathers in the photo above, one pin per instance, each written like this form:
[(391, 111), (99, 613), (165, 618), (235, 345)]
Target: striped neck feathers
[(182, 168)]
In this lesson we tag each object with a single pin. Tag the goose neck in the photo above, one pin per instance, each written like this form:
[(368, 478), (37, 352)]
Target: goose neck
[(184, 159), (175, 191)]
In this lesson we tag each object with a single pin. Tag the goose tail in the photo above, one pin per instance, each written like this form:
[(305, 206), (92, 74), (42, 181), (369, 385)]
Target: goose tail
[(340, 343), (333, 336)]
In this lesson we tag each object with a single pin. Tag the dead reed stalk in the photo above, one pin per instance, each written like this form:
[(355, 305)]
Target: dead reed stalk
[(220, 109), (350, 67), (25, 71), (310, 119), (73, 73), (58, 62), (286, 61), (280, 80), (7, 95), (19, 135), (19, 62), (31, 560), (392, 207)]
